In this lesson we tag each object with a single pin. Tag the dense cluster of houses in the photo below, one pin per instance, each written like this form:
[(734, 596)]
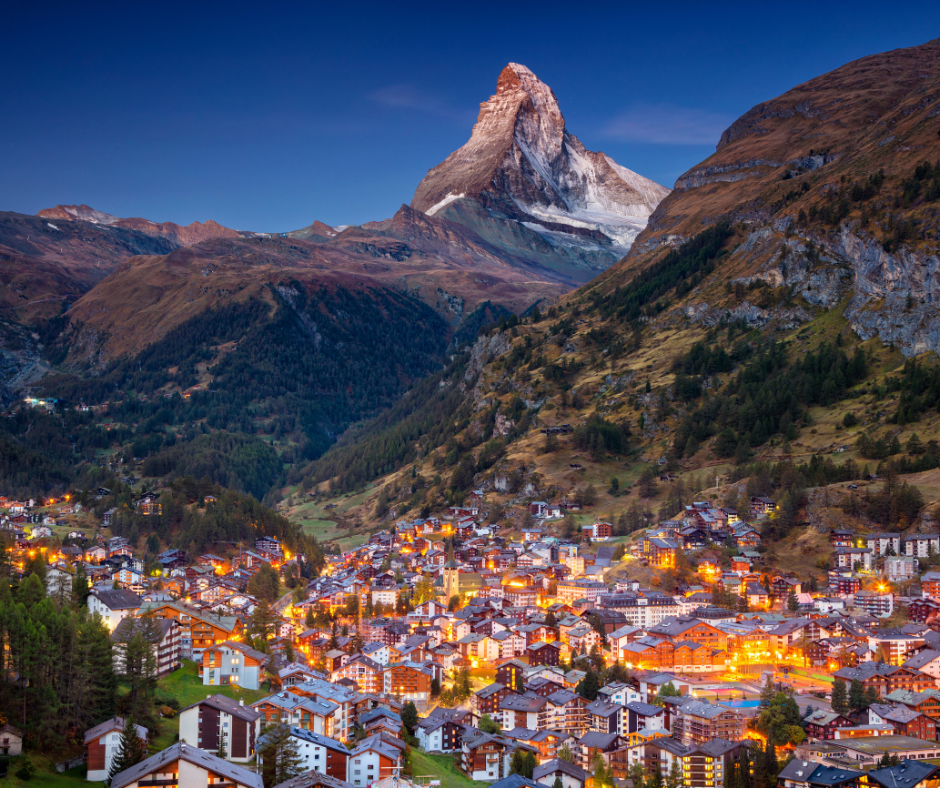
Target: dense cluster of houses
[(429, 597)]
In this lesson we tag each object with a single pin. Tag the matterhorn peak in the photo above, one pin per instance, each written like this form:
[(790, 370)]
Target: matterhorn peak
[(522, 165)]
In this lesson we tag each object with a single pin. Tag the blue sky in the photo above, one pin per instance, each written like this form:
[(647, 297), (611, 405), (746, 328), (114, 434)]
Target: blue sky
[(267, 117)]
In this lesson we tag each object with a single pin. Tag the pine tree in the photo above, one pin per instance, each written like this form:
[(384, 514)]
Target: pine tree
[(840, 703), (768, 693), (564, 753), (856, 695), (308, 619), (221, 750), (771, 766), (131, 749), (793, 604), (744, 768), (516, 764), (409, 717), (529, 763), (602, 779), (279, 755), (674, 780), (759, 778)]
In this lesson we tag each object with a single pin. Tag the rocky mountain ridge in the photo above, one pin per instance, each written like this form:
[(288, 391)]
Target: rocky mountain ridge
[(522, 166), (820, 181), (182, 235)]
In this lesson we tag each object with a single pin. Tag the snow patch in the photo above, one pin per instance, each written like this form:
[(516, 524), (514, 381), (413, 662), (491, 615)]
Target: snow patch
[(53, 226), (446, 201)]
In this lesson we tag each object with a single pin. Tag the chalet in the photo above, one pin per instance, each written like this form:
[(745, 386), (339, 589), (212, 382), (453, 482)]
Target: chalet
[(232, 662), (762, 505), (198, 629), (930, 585), (101, 743), (909, 773), (197, 767), (149, 504), (372, 760), (809, 774), (239, 726), (563, 711), (598, 532), (164, 638), (484, 756), (886, 678), (662, 552), (696, 722), (11, 740), (543, 653), (559, 771), (113, 605), (592, 744), (822, 724), (852, 557), (439, 734), (604, 716), (408, 680), (920, 545), (905, 721), (521, 711), (321, 753), (366, 672)]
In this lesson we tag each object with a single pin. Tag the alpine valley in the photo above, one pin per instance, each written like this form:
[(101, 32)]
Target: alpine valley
[(538, 322)]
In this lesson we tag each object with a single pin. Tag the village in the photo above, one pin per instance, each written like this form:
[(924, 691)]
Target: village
[(443, 650)]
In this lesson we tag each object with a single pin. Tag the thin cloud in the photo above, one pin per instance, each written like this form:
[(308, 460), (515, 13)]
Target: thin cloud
[(666, 124), (408, 96)]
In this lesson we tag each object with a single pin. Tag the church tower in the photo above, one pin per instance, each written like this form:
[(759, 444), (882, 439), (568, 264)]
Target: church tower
[(451, 575)]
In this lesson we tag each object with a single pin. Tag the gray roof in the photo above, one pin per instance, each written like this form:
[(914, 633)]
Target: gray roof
[(117, 598), (186, 752), (906, 774), (114, 724), (130, 626), (512, 781), (700, 708), (227, 706), (924, 658), (527, 703), (318, 738), (644, 709), (557, 765), (314, 779), (595, 739)]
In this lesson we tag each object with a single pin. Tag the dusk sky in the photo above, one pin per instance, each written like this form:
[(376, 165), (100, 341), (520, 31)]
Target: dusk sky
[(269, 116)]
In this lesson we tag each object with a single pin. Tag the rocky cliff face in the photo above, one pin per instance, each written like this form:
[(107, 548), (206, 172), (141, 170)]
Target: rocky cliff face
[(525, 169), (794, 174)]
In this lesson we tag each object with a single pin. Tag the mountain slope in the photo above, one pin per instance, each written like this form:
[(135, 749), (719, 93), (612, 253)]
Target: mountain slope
[(443, 264), (523, 167), (827, 188), (181, 235), (765, 311)]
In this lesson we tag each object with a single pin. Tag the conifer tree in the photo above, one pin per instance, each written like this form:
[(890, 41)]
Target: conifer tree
[(131, 749), (771, 766), (856, 695), (279, 756), (840, 703)]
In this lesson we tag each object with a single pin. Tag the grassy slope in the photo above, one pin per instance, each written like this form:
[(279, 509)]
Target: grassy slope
[(442, 767), (187, 688)]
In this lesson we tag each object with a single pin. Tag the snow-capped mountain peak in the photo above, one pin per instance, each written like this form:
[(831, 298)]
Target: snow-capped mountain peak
[(522, 164)]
